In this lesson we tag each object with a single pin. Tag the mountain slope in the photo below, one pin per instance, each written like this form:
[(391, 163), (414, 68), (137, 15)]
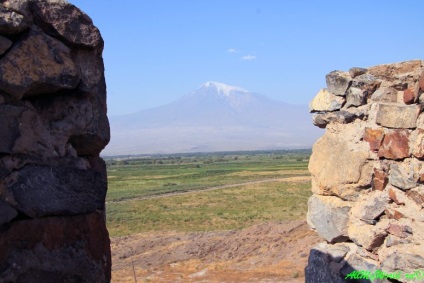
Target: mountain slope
[(215, 117)]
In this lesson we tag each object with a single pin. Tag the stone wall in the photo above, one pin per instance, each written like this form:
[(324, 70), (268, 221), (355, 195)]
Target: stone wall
[(53, 125), (368, 173)]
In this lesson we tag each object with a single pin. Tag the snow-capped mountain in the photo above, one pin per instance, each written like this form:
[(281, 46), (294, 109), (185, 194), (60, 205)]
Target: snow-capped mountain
[(215, 117)]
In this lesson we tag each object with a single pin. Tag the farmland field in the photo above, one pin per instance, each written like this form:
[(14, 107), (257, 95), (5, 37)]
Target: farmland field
[(250, 188)]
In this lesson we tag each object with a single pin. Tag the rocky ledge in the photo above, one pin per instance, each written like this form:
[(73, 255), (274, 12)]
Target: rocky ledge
[(368, 175), (53, 127)]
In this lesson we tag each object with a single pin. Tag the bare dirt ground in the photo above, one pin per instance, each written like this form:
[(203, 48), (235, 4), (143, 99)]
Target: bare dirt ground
[(266, 252)]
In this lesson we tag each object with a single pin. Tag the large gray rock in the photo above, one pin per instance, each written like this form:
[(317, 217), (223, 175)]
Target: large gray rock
[(11, 22), (371, 206), (367, 83), (91, 69), (408, 258), (356, 97), (51, 70), (24, 132), (397, 116), (385, 94), (338, 82), (405, 175), (329, 215), (66, 21), (370, 237), (321, 120), (45, 190)]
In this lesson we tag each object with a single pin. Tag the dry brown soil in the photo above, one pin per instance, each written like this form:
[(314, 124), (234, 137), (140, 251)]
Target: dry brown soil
[(266, 252)]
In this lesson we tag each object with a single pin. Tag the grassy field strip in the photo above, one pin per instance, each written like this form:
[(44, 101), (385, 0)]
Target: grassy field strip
[(168, 194), (224, 209), (206, 192)]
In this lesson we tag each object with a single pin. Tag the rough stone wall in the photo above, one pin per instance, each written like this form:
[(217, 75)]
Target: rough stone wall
[(53, 125), (368, 173)]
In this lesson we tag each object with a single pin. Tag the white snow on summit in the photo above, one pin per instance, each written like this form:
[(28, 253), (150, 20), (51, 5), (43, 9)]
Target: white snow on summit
[(223, 88)]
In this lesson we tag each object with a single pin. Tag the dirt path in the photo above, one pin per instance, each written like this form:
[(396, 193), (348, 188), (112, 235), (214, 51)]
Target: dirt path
[(286, 179)]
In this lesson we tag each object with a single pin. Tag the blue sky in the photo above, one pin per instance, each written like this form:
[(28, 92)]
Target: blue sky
[(159, 50)]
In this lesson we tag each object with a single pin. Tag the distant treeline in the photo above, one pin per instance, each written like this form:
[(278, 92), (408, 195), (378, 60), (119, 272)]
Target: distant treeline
[(293, 155)]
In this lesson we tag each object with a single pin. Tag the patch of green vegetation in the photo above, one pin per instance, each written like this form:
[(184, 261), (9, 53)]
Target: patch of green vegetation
[(222, 209), (138, 177)]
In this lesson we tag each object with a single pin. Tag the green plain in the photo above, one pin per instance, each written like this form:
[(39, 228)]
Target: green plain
[(222, 209)]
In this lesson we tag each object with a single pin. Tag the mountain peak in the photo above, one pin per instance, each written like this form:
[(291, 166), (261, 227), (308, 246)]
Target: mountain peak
[(222, 88)]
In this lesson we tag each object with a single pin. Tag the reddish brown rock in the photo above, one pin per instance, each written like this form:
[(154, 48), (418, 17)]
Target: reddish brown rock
[(377, 241), (391, 72), (417, 195), (401, 231), (56, 249), (392, 195), (379, 180), (395, 145), (66, 21), (393, 214), (374, 137), (409, 96), (397, 215)]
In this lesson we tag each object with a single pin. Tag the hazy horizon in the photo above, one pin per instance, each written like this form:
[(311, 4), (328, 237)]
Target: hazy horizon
[(214, 117)]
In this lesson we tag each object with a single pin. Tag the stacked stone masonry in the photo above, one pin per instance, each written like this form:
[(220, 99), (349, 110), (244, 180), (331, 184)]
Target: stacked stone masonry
[(53, 125), (368, 174)]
